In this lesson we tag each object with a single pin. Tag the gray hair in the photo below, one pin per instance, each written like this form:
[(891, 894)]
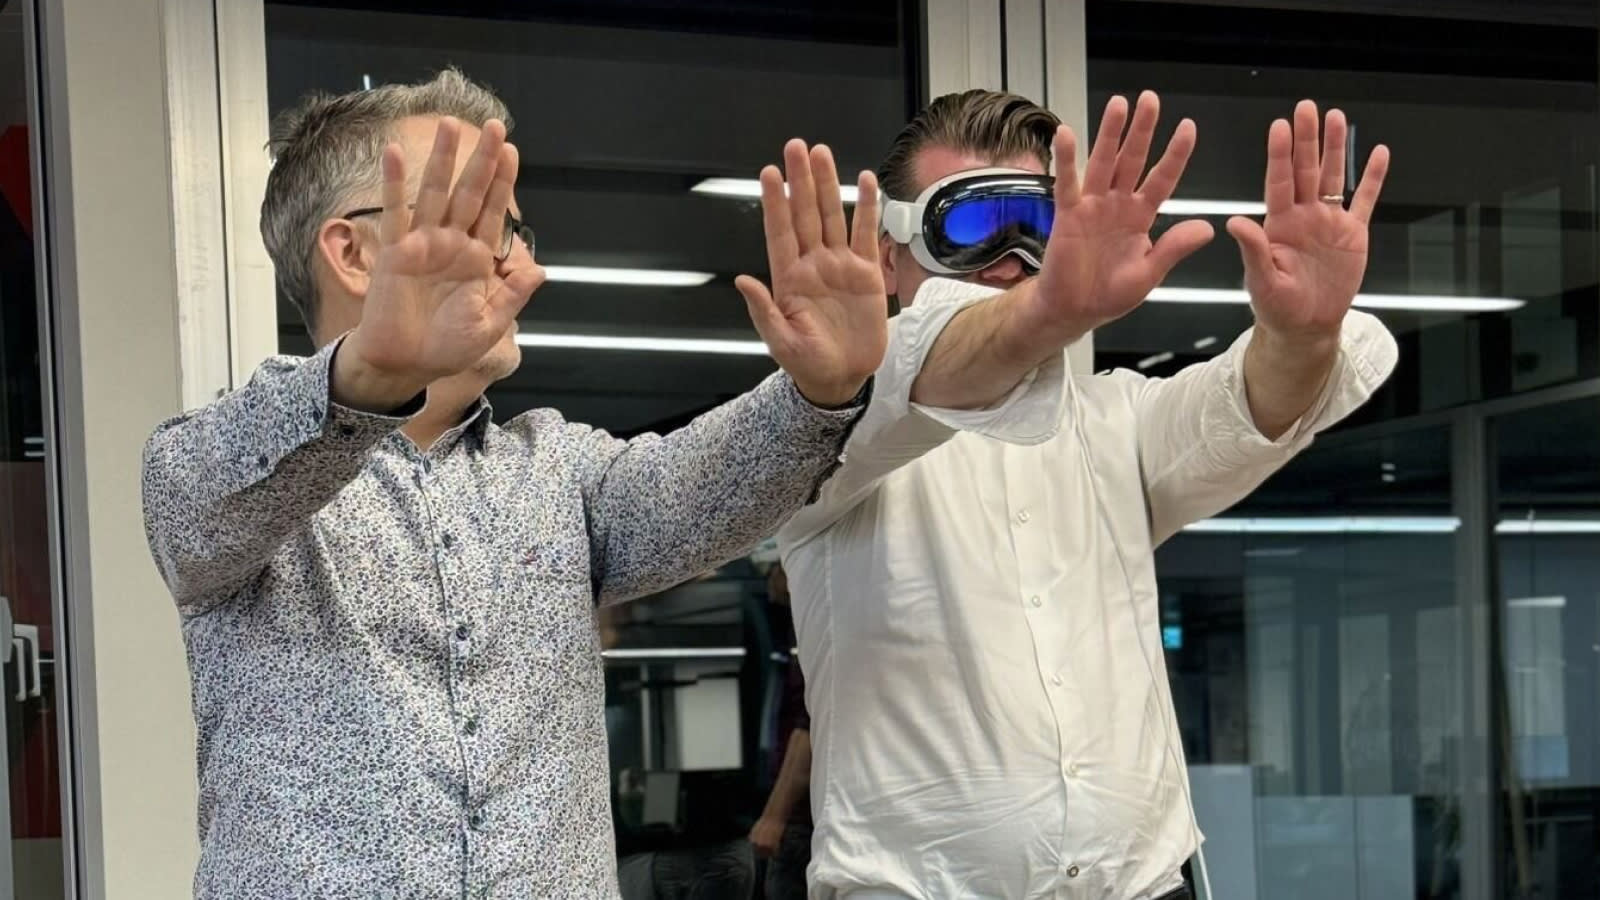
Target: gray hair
[(328, 151)]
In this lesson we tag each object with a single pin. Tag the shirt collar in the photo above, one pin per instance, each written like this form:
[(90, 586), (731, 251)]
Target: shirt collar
[(473, 426)]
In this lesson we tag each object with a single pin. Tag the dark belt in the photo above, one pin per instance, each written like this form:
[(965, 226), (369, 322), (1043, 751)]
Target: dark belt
[(1179, 893)]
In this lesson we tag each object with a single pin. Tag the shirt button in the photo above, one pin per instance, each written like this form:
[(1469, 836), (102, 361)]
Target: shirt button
[(1072, 769), (471, 725), (475, 822), (1072, 871), (448, 539), (261, 461), (1035, 600), (1055, 680), (1023, 517), (462, 631)]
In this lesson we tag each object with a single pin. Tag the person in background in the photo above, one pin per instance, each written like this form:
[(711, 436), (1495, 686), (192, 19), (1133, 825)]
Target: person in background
[(782, 835), (975, 589), (387, 597)]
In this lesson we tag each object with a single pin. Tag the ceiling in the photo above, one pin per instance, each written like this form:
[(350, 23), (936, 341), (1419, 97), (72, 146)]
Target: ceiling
[(623, 105)]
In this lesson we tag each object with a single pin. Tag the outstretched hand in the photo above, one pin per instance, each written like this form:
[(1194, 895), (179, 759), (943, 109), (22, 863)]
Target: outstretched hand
[(1304, 263), (1100, 263), (825, 320), (438, 300)]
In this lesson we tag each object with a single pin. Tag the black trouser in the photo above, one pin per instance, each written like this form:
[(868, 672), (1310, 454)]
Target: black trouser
[(1177, 893), (786, 871)]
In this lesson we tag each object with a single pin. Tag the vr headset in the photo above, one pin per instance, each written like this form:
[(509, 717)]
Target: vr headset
[(972, 219)]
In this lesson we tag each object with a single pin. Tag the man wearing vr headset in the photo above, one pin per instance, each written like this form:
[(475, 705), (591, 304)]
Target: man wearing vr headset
[(974, 591)]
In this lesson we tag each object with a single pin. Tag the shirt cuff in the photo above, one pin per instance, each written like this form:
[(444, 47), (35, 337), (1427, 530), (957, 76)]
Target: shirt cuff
[(1367, 356), (311, 415), (1030, 414), (826, 416)]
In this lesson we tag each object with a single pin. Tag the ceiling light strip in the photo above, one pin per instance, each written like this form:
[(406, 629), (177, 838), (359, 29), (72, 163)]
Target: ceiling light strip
[(1409, 302), (641, 344), (625, 276)]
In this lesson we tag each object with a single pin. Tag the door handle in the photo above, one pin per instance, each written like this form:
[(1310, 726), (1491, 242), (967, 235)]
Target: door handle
[(27, 636)]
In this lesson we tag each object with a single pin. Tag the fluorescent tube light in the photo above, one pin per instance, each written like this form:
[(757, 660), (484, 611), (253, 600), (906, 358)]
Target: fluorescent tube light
[(1437, 303), (1213, 208), (1329, 525), (638, 277), (1411, 302), (1155, 360), (1538, 602), (675, 653), (1548, 526), (750, 189), (1273, 552), (645, 344), (1381, 525)]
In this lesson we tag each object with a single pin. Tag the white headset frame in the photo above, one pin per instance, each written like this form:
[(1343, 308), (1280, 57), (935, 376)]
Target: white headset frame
[(903, 219)]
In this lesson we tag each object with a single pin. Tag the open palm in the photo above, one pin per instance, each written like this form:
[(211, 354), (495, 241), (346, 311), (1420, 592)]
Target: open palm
[(825, 319), (1305, 262), (1100, 263), (438, 300)]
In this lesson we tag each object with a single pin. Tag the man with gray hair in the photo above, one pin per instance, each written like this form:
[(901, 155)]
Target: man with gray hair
[(388, 599)]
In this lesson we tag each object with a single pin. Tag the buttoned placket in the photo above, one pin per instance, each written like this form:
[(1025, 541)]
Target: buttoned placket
[(1030, 541), (460, 640)]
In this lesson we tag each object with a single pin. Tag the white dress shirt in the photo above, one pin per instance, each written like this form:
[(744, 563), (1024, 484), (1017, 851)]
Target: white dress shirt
[(975, 597)]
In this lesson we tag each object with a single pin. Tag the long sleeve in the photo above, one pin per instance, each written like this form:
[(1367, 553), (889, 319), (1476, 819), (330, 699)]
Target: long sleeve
[(225, 485), (1200, 451), (894, 431), (664, 509)]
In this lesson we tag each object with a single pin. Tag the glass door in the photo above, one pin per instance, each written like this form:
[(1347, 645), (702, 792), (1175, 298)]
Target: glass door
[(30, 799), (1547, 538)]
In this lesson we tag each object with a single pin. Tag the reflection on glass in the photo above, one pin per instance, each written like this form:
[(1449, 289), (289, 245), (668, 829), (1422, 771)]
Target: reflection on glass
[(1491, 199), (1548, 471), (622, 110), (1316, 679), (693, 681)]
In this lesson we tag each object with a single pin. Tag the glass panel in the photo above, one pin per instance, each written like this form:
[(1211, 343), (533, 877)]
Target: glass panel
[(1491, 198), (1548, 469), (622, 109), (1484, 266), (31, 860), (1311, 643)]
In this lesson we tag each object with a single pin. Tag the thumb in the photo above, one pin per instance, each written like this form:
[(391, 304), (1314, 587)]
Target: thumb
[(764, 313), (1254, 247), (515, 288), (1177, 244)]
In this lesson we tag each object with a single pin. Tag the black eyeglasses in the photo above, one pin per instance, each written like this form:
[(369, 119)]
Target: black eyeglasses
[(514, 229)]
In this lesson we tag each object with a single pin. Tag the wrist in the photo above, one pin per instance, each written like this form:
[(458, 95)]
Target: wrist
[(1308, 348), (1028, 329), (355, 382), (832, 396)]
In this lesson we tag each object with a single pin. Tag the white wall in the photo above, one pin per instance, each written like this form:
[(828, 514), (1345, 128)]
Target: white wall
[(114, 285)]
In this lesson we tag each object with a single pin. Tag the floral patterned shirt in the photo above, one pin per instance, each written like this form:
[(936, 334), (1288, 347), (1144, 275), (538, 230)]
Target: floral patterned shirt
[(396, 670)]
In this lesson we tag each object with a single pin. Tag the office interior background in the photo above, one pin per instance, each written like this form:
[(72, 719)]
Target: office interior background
[(1386, 662)]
